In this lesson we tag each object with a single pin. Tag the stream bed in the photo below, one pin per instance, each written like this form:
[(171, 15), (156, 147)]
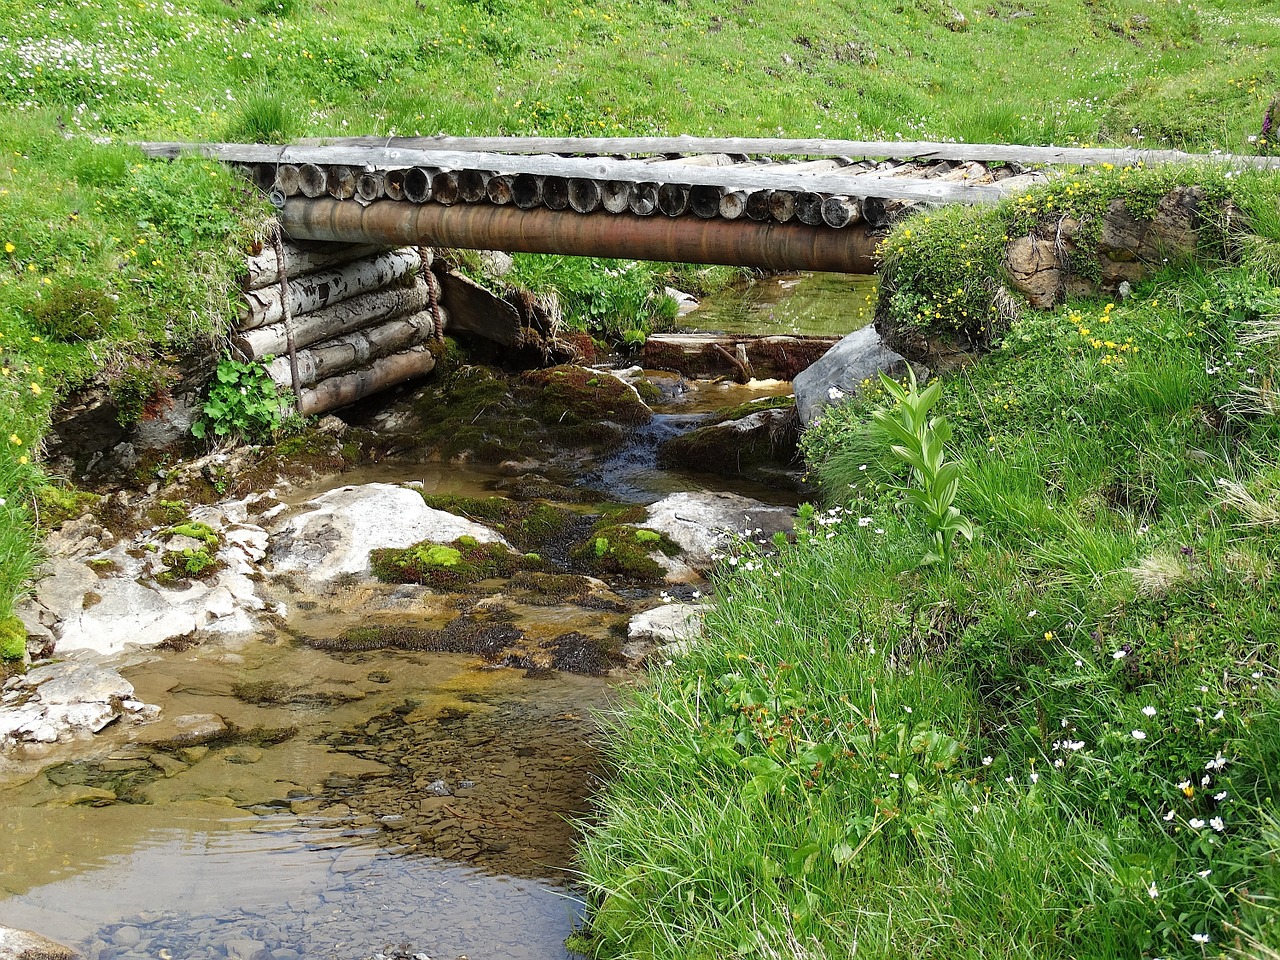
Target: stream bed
[(355, 805)]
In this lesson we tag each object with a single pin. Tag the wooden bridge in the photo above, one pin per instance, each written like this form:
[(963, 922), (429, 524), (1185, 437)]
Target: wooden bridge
[(775, 204), (352, 314)]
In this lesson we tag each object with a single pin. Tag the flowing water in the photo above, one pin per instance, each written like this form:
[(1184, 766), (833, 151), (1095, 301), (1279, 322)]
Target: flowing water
[(384, 803)]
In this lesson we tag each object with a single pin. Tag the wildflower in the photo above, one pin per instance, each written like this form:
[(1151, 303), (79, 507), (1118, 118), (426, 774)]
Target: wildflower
[(9, 248), (1152, 892), (1218, 824), (23, 460), (1035, 778), (987, 761), (1187, 789), (1200, 937), (15, 439), (1119, 654), (864, 521), (1169, 816), (1203, 873), (1138, 734), (1195, 823), (1148, 711), (35, 388), (1220, 796)]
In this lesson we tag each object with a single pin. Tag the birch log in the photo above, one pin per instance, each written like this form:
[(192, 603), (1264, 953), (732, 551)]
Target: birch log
[(673, 199), (615, 195), (499, 189), (758, 204), (350, 351), (316, 290), (340, 182), (263, 268), (327, 322), (370, 186), (348, 388), (643, 199), (780, 205), (732, 205), (287, 179), (311, 179)]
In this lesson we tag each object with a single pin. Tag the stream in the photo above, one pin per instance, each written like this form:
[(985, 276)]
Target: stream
[(386, 803)]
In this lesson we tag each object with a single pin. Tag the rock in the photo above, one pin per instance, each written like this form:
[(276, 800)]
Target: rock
[(685, 303), (706, 524), (188, 730), (496, 263), (63, 701), (842, 370), (79, 794), (335, 532), (169, 766), (24, 945), (739, 447), (126, 936), (1035, 270), (665, 627)]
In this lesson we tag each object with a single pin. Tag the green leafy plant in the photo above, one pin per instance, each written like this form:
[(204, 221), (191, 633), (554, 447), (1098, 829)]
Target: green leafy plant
[(920, 442), (243, 404)]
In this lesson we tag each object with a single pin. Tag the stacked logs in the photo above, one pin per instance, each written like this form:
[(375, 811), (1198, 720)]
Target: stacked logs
[(341, 322), (428, 184)]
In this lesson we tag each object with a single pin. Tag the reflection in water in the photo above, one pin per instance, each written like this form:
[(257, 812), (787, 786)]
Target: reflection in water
[(316, 827), (813, 304), (252, 893)]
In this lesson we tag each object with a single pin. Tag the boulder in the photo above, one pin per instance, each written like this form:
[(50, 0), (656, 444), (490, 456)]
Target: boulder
[(842, 371), (190, 730), (706, 525), (668, 630), (766, 438), (335, 533)]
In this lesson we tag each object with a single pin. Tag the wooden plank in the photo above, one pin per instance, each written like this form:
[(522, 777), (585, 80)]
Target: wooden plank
[(473, 309), (735, 177), (904, 150)]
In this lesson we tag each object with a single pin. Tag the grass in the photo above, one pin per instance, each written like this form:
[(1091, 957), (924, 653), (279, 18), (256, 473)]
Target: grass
[(1064, 743)]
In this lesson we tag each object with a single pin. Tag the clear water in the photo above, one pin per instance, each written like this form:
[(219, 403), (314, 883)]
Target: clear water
[(813, 304)]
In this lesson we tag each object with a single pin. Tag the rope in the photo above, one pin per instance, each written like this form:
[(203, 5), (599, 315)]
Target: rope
[(277, 242), (433, 295)]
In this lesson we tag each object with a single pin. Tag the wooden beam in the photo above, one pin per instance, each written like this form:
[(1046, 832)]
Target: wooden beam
[(904, 150)]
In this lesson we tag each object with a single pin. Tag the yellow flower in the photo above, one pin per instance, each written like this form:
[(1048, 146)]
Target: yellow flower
[(9, 248), (35, 388), (15, 439), (23, 460)]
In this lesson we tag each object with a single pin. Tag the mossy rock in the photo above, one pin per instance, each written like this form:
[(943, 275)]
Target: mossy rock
[(731, 447), (13, 639), (530, 526), (621, 550), (551, 588), (449, 566), (57, 505), (196, 530), (192, 563), (570, 395)]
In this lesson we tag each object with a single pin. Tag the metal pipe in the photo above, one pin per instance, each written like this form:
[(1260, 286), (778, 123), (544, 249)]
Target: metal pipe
[(680, 239)]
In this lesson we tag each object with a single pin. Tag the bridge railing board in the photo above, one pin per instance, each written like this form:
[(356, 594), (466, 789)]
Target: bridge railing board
[(737, 177), (901, 150)]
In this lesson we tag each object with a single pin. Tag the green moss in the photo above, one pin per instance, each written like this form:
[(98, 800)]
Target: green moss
[(448, 567), (196, 531), (616, 548), (570, 396), (167, 512), (530, 526), (57, 505), (13, 639)]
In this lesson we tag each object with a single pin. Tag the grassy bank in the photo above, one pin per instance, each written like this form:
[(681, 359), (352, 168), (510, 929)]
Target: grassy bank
[(1063, 743)]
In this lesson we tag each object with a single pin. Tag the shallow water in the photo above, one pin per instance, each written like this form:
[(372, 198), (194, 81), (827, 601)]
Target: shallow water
[(813, 304), (412, 800)]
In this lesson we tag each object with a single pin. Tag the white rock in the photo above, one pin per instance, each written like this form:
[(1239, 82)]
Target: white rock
[(335, 532), (668, 623), (17, 944), (129, 613), (703, 524)]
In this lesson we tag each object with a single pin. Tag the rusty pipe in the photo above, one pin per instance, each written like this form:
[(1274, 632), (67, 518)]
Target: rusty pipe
[(745, 243)]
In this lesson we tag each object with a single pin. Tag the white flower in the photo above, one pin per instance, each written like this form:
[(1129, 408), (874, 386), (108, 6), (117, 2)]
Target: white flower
[(1219, 715), (1032, 613), (1074, 745), (1217, 824), (1195, 823), (879, 529), (1169, 816), (1035, 778), (864, 521), (1152, 892), (1200, 937), (1206, 780), (1148, 711), (835, 393), (1119, 655), (1220, 796), (1217, 763), (1059, 762), (908, 709), (987, 761), (1203, 873), (1138, 734), (894, 776)]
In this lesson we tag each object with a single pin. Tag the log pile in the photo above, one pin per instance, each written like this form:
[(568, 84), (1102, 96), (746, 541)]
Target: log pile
[(339, 322), (845, 192)]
